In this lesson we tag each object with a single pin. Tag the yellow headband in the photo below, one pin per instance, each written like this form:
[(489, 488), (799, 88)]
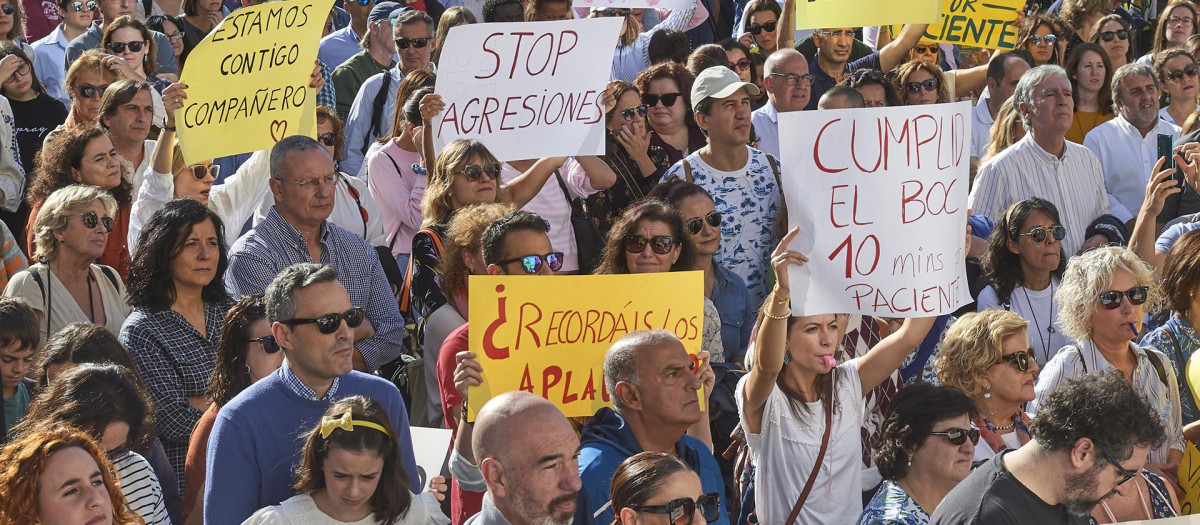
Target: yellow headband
[(347, 423)]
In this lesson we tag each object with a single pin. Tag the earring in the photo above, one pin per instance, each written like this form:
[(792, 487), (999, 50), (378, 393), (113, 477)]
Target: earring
[(247, 369), (987, 395), (786, 359), (910, 460)]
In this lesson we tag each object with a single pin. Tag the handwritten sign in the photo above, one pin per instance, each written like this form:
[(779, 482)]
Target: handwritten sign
[(549, 338), (880, 196), (248, 80), (527, 90), (431, 447), (821, 14), (634, 4), (975, 23)]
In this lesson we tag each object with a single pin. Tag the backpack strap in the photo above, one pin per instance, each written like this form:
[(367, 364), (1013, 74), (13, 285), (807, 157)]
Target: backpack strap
[(1158, 367), (781, 226), (377, 111), (37, 278), (112, 277)]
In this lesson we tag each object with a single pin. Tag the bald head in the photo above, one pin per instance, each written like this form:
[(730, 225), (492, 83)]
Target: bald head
[(787, 80), (507, 418), (841, 97), (781, 59)]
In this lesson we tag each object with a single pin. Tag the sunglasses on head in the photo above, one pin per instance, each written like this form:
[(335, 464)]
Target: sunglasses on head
[(1126, 475), (329, 323), (929, 84), (200, 171), (1120, 34), (119, 47), (958, 436), (695, 224), (403, 43), (475, 172), (533, 263), (90, 91), (1022, 359), (661, 244), (1112, 299), (326, 139), (1039, 40), (1038, 233), (80, 6), (628, 114), (1176, 75), (268, 343), (8, 9), (755, 29), (740, 65), (922, 50), (91, 220), (680, 511), (668, 99)]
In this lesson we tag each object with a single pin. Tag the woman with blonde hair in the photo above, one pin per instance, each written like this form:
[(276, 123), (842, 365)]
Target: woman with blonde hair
[(1006, 130)]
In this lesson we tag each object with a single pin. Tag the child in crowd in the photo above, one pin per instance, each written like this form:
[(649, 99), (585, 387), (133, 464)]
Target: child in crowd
[(18, 344)]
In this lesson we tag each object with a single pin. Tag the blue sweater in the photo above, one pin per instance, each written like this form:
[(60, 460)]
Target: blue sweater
[(606, 442), (258, 437)]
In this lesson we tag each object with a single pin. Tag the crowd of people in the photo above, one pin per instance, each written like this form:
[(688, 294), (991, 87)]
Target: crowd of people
[(252, 339)]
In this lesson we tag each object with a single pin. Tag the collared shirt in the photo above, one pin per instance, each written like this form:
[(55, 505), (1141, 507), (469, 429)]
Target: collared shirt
[(1074, 183), (293, 383), (49, 52), (766, 126), (732, 300), (274, 245), (327, 96), (339, 46), (981, 127), (822, 82), (91, 40), (1127, 157)]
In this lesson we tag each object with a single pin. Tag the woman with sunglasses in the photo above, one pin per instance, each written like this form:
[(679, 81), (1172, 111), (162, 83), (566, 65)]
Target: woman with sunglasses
[(179, 303), (925, 448), (654, 487), (246, 352), (1176, 70), (1177, 22), (1037, 36), (1101, 300), (631, 56), (86, 80), (12, 24), (759, 26), (133, 52), (919, 83), (1091, 75), (1112, 33), (638, 164), (738, 57), (1079, 17), (666, 90), (77, 16)]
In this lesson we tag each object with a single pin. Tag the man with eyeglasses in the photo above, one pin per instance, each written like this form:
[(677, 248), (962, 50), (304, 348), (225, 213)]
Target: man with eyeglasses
[(377, 56), (833, 56), (789, 86), (76, 16), (111, 10), (1003, 72), (254, 447), (1089, 438), (370, 115)]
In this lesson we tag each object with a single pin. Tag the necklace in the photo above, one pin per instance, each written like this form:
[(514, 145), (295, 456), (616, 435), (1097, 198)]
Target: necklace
[(1037, 324), (993, 428)]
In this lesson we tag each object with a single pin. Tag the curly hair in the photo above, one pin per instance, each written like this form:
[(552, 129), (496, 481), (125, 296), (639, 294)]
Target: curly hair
[(392, 497), (906, 70), (1094, 36), (465, 234), (613, 259), (972, 345), (871, 77), (25, 459), (149, 61), (1075, 12), (79, 343), (914, 411), (673, 71), (92, 396), (1030, 27), (1091, 273), (18, 28), (56, 212), (326, 114), (1160, 31), (231, 374), (151, 284), (63, 153), (436, 205), (1104, 99), (1101, 406), (1001, 267), (640, 477)]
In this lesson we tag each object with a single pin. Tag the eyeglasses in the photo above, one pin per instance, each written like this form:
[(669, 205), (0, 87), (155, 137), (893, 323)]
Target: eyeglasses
[(90, 91), (680, 511), (22, 70), (740, 65), (958, 436), (755, 29), (328, 180), (1120, 34), (119, 47), (1038, 233), (533, 263), (628, 114), (475, 172), (929, 84), (1177, 21), (923, 50), (8, 9), (1022, 359), (615, 12), (668, 99), (661, 244), (200, 171), (326, 139), (175, 36), (837, 34), (329, 323), (695, 224), (1112, 299), (268, 343), (1126, 475), (80, 6), (1178, 74), (1039, 40), (791, 79), (403, 43), (91, 220)]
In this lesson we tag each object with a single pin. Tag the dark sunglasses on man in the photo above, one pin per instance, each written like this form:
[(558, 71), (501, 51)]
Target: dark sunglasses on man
[(329, 323), (958, 436), (1112, 299), (668, 99), (403, 43), (91, 220), (90, 5), (756, 29), (661, 244), (680, 511), (695, 224), (532, 264)]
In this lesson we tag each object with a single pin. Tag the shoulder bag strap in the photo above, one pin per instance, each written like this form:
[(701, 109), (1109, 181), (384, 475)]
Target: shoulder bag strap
[(563, 185), (812, 478), (395, 234)]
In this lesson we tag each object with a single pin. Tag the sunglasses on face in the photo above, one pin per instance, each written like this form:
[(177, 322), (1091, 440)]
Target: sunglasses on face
[(329, 323), (533, 263), (740, 65), (80, 6), (1022, 359), (1038, 233), (1039, 40), (628, 114), (1178, 74), (791, 79), (91, 220), (1126, 475), (200, 171), (22, 70), (929, 84), (1112, 299), (958, 436), (268, 343), (365, 3), (695, 224), (755, 29), (680, 511), (661, 244), (8, 9), (1120, 34), (923, 50), (668, 99), (326, 139), (403, 43), (475, 172), (119, 47), (90, 91), (614, 12)]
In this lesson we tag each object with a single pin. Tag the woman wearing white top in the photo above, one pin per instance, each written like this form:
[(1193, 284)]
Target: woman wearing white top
[(1176, 72), (794, 400)]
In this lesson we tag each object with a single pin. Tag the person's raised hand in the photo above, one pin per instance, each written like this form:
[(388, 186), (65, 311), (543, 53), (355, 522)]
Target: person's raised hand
[(467, 373), (1161, 185), (438, 486), (704, 372), (122, 68), (316, 80), (782, 257), (8, 66), (173, 98), (431, 105)]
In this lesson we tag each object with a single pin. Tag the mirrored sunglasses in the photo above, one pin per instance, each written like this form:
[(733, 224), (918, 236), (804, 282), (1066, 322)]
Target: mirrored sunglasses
[(90, 91), (81, 6), (8, 9), (1112, 299), (1038, 234), (475, 172), (929, 84), (326, 139), (958, 436), (628, 114), (695, 224), (329, 323), (661, 244), (1039, 40), (532, 264), (91, 220)]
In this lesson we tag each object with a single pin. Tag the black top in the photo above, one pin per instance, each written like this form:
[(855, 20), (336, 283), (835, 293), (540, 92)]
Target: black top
[(34, 120), (991, 495)]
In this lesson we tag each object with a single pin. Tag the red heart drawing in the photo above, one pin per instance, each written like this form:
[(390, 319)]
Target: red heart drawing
[(278, 129)]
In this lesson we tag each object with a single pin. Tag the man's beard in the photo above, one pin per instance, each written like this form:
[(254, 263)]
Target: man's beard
[(544, 515), (1080, 488)]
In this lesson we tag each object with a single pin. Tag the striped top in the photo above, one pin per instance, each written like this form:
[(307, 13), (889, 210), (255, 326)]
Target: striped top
[(143, 494)]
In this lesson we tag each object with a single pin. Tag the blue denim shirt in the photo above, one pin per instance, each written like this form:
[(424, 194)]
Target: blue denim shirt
[(732, 299)]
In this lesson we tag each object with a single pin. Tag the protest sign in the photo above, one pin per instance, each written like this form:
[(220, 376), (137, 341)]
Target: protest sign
[(1188, 477), (635, 4), (821, 14), (248, 80), (973, 23), (431, 447), (548, 335), (880, 196), (527, 90)]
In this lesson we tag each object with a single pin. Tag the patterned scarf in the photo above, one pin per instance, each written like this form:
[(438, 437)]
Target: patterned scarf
[(988, 431)]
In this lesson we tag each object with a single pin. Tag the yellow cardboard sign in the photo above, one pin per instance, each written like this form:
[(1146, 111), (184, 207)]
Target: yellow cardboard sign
[(820, 14), (548, 335), (986, 24), (1189, 480), (248, 80)]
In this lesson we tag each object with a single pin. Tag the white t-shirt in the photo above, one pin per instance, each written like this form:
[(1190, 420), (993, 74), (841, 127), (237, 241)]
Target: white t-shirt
[(1038, 309), (785, 450), (983, 451)]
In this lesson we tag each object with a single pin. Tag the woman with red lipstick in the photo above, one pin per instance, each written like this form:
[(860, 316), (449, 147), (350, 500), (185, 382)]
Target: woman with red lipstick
[(351, 473), (802, 412)]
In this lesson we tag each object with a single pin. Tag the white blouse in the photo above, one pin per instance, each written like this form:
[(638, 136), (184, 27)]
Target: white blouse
[(302, 510), (63, 308)]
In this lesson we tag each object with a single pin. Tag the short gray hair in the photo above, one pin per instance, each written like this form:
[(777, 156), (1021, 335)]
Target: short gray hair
[(412, 16), (1030, 80), (280, 297), (55, 215), (1132, 68), (283, 148), (621, 359)]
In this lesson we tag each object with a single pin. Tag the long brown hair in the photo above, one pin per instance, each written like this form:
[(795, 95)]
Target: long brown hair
[(613, 260)]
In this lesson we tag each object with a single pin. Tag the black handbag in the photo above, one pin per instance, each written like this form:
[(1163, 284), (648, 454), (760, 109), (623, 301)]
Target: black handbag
[(589, 243)]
